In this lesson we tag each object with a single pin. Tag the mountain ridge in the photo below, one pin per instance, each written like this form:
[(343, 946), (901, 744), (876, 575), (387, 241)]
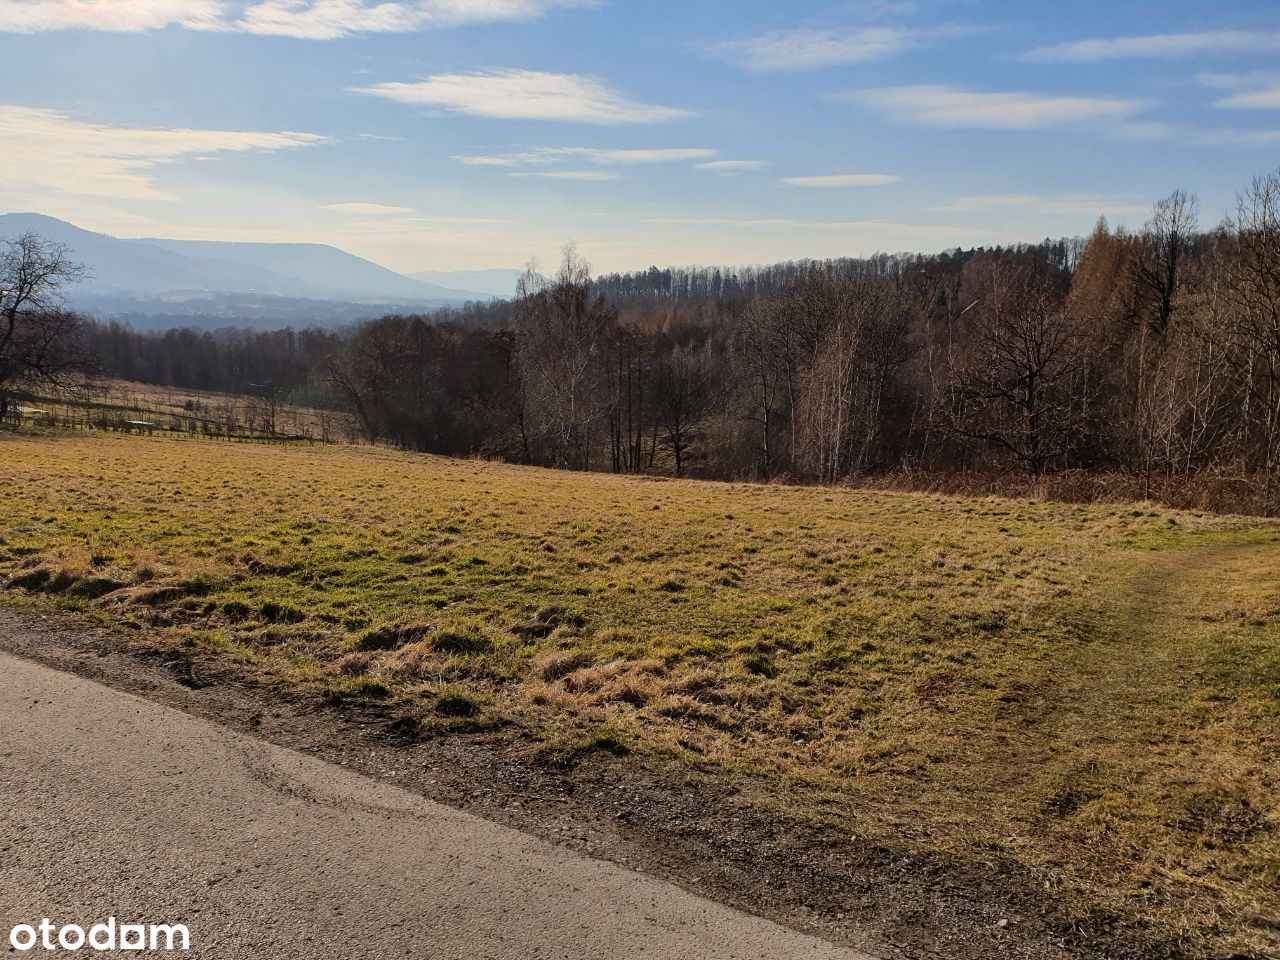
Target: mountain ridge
[(146, 268)]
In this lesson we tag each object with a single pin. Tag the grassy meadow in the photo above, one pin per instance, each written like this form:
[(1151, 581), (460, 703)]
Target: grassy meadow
[(1090, 694)]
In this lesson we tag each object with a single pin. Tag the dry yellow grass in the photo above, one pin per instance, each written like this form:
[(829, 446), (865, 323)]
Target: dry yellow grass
[(1090, 694)]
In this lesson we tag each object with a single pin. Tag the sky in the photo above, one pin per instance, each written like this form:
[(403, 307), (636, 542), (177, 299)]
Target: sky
[(463, 134)]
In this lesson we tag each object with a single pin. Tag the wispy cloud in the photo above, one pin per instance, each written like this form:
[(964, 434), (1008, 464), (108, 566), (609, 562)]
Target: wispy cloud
[(805, 48), (47, 149), (1075, 204), (863, 229), (1235, 138), (1266, 98), (944, 106), (538, 156), (590, 176), (1253, 90), (839, 180), (731, 166), (305, 19), (525, 95), (368, 209), (1238, 81), (1158, 45), (118, 16), (458, 220)]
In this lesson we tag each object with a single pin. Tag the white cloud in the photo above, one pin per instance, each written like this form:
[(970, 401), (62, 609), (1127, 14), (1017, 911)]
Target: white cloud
[(840, 180), (882, 231), (48, 150), (591, 176), (1239, 81), (525, 95), (731, 166), (306, 19), (458, 220), (538, 156), (805, 48), (120, 16), (1268, 98), (1076, 204), (357, 208), (658, 155), (729, 221), (1236, 138), (882, 9), (944, 106), (1255, 90), (1159, 45)]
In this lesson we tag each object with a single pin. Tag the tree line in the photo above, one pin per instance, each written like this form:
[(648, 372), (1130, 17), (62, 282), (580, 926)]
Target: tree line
[(1148, 361)]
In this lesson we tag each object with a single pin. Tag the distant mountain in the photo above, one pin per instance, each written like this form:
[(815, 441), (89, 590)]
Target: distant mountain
[(143, 272), (320, 267), (497, 282)]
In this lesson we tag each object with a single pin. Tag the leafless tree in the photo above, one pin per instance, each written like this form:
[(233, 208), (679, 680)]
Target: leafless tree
[(39, 338), (686, 395), (1017, 386), (1256, 325), (761, 379), (1163, 249), (561, 330)]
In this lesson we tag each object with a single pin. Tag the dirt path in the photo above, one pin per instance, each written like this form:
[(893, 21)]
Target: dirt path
[(1141, 757), (116, 806)]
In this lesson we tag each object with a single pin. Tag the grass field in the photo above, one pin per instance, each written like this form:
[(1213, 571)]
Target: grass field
[(1089, 694)]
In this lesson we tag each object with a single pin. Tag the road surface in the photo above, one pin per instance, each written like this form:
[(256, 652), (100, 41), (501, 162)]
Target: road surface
[(113, 806)]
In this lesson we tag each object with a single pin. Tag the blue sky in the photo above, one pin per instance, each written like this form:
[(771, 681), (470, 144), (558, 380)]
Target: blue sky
[(448, 134)]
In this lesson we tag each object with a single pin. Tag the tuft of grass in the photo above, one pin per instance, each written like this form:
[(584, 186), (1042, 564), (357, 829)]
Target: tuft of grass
[(462, 641), (457, 704)]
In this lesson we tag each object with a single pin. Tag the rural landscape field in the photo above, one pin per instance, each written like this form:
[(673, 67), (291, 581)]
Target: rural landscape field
[(1086, 695), (618, 480)]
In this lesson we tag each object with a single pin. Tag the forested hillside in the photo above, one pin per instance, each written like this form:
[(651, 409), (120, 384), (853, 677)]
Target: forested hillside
[(1142, 357)]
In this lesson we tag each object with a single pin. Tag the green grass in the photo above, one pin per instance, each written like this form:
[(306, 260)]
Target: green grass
[(1090, 694)]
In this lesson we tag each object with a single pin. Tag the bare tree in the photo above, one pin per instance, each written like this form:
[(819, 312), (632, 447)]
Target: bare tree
[(686, 394), (1162, 253), (761, 379), (39, 338), (1017, 387), (561, 331), (1256, 326)]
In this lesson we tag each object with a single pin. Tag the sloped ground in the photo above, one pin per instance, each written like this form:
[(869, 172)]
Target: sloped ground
[(1080, 700)]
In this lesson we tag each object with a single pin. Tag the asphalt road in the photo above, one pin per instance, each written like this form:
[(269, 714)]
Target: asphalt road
[(111, 805)]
